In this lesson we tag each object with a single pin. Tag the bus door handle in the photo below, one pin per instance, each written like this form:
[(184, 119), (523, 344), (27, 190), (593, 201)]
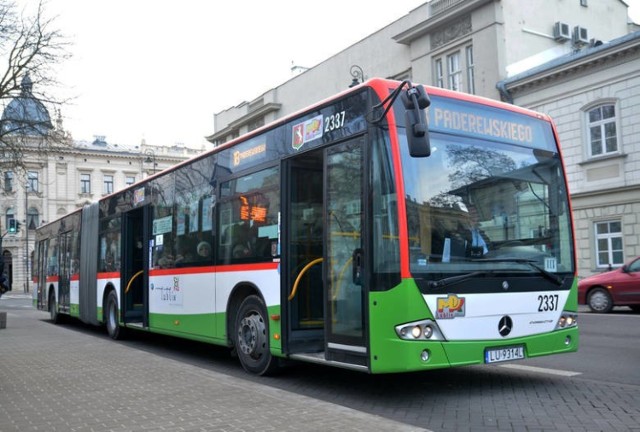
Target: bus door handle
[(357, 262)]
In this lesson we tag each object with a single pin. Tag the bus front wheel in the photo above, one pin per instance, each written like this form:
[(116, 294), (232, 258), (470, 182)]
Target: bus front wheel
[(251, 337), (112, 317)]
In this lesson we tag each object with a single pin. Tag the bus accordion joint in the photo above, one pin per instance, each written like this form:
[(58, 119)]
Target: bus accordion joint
[(302, 272), (131, 280)]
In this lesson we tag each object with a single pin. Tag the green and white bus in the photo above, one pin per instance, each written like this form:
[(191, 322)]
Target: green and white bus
[(389, 228)]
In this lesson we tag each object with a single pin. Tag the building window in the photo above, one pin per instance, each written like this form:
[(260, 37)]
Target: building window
[(129, 180), (403, 76), (107, 184), (603, 138), (257, 123), (439, 74), (609, 249), (471, 87), (32, 181), (8, 181), (460, 70), (33, 218), (454, 74), (85, 183)]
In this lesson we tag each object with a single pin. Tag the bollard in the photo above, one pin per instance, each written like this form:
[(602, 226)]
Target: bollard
[(3, 320)]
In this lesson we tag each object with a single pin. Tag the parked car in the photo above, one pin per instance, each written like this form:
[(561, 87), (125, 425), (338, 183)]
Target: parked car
[(620, 287)]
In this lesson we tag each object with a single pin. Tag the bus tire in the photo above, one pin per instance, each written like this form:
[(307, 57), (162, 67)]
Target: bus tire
[(55, 316), (251, 337), (599, 300), (112, 317)]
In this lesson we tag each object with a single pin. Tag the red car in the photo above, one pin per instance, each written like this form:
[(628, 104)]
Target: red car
[(620, 287)]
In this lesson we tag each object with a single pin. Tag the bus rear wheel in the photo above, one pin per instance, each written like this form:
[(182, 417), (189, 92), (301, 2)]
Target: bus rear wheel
[(53, 309), (112, 317), (251, 337)]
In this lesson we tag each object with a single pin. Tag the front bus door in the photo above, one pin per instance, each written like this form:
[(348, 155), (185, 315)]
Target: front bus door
[(344, 256)]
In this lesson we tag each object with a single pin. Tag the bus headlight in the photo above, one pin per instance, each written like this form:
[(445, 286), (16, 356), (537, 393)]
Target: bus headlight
[(567, 320), (419, 330), (416, 332)]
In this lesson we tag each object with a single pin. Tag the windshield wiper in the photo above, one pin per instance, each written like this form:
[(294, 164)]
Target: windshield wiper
[(531, 263), (440, 283), (453, 279)]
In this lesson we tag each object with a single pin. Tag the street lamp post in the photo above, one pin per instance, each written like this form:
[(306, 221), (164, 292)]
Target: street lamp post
[(357, 75), (26, 237), (150, 158)]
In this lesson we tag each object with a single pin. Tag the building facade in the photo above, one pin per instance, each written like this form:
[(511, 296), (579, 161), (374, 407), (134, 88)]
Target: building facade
[(478, 46), (594, 97), (64, 176), (466, 45)]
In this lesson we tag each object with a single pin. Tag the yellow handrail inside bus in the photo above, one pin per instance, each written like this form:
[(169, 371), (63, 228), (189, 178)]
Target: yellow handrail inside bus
[(302, 272), (132, 279), (340, 277)]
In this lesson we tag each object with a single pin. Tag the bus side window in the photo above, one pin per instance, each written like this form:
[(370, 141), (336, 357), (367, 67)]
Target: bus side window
[(248, 217)]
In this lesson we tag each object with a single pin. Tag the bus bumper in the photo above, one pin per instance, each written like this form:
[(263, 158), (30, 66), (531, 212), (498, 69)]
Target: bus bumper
[(396, 355)]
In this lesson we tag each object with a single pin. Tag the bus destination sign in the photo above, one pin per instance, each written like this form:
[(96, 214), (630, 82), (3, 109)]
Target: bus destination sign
[(451, 116)]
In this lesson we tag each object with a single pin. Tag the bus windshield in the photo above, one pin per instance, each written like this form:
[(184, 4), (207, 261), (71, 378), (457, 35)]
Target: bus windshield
[(483, 205)]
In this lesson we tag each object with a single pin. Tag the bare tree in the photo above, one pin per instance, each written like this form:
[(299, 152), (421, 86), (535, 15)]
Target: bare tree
[(30, 48)]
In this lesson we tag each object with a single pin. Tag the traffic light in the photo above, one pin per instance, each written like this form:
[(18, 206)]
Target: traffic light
[(14, 226)]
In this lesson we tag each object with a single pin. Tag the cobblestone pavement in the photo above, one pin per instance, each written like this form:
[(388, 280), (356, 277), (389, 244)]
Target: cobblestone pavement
[(53, 378)]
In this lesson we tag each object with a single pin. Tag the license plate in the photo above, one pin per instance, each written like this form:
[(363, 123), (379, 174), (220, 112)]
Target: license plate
[(504, 354)]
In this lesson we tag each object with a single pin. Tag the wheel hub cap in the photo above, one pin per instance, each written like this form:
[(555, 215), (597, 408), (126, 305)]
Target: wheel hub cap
[(251, 335)]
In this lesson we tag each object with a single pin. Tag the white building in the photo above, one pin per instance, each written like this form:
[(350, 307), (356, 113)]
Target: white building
[(494, 48), (67, 176)]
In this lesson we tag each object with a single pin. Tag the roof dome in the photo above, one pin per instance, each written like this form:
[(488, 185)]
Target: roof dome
[(25, 114)]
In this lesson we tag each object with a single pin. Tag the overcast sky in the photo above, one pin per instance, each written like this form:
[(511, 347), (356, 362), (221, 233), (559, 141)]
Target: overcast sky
[(158, 70)]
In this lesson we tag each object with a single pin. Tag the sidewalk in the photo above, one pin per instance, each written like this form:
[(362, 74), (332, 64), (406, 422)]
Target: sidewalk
[(55, 378), (16, 295)]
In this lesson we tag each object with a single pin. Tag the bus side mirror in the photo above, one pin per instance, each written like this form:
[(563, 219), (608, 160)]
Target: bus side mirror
[(416, 100)]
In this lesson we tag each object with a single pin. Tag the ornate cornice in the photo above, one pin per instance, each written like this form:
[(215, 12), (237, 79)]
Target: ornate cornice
[(442, 13), (450, 32)]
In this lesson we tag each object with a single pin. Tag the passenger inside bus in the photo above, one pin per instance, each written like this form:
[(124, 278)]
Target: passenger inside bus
[(166, 260), (476, 243), (242, 237), (204, 249)]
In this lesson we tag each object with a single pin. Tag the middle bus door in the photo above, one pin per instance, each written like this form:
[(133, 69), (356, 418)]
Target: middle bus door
[(64, 272), (135, 267), (303, 298)]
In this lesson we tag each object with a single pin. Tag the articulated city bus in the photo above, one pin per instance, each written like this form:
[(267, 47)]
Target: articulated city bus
[(390, 228)]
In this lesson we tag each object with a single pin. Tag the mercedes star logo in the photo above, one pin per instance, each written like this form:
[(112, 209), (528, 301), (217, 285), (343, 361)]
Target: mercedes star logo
[(505, 325)]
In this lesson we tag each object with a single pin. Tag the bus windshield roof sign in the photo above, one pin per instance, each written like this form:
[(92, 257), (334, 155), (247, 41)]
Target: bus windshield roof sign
[(478, 121)]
